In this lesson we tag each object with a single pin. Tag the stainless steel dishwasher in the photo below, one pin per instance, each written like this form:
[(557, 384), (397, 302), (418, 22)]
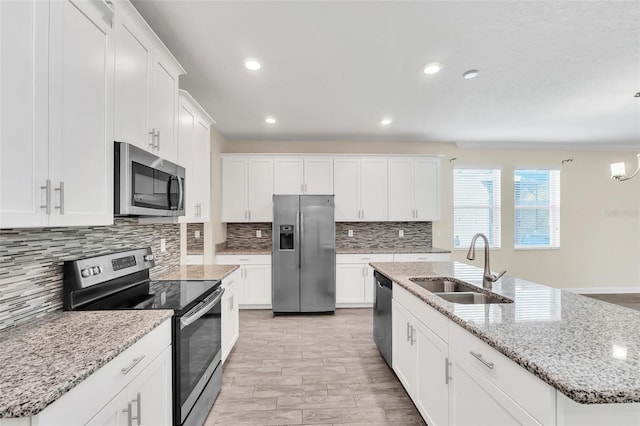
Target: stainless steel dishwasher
[(382, 316)]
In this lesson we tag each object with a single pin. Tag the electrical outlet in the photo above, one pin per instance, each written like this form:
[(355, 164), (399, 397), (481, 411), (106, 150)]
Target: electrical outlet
[(401, 233), (197, 235), (163, 245), (258, 234), (350, 232)]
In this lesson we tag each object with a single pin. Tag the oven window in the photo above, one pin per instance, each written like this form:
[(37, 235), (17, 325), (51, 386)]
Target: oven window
[(200, 342), (153, 188)]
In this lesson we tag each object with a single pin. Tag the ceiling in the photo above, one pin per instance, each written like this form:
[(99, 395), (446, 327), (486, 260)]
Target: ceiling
[(552, 73)]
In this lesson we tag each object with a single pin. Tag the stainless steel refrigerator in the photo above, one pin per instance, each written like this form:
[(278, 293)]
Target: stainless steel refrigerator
[(304, 254)]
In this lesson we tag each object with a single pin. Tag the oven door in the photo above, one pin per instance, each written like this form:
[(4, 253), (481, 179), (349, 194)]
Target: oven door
[(197, 353)]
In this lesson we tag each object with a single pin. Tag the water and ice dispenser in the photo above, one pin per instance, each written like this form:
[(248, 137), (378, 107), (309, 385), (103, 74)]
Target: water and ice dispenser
[(286, 237)]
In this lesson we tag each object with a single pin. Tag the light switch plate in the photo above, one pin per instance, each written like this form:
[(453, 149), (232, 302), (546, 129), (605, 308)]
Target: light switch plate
[(401, 233), (163, 245), (197, 235), (258, 234), (350, 232)]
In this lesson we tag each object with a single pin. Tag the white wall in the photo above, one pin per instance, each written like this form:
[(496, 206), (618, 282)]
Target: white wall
[(600, 219)]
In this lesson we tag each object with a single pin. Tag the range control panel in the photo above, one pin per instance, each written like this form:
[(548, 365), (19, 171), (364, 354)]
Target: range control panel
[(98, 269)]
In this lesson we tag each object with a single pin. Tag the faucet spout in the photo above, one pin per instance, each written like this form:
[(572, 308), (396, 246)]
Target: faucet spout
[(487, 277)]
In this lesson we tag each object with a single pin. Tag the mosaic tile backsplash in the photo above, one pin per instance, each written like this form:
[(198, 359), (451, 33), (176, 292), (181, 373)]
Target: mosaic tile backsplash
[(31, 260), (365, 235), (195, 245)]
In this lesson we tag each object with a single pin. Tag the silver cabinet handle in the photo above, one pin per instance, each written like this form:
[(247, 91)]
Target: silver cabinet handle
[(302, 188), (408, 332), (61, 189), (131, 366), (249, 214), (158, 140), (47, 202), (447, 376), (479, 358), (306, 188), (412, 339), (153, 138), (245, 214), (129, 414), (138, 417)]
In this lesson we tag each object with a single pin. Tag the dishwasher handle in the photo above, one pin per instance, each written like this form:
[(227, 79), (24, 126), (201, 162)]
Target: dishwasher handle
[(381, 280)]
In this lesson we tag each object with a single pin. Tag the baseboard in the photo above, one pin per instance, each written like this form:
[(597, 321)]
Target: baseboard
[(604, 290)]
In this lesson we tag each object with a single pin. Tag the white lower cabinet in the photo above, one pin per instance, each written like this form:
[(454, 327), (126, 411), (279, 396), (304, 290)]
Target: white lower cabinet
[(454, 378), (230, 313), (132, 388), (354, 278), (255, 279)]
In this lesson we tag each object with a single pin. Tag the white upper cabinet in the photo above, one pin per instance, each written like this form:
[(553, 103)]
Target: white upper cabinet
[(57, 145), (146, 86), (303, 175), (360, 188), (414, 189), (194, 153), (247, 189)]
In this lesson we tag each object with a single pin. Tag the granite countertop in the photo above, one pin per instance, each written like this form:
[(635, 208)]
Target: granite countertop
[(587, 349), (45, 358), (339, 250), (198, 272)]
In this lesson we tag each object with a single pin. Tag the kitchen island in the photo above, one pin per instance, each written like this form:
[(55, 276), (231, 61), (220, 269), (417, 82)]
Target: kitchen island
[(586, 350)]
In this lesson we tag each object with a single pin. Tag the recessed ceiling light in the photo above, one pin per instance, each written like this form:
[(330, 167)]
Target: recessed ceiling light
[(471, 74), (432, 68), (252, 64), (386, 121), (270, 120)]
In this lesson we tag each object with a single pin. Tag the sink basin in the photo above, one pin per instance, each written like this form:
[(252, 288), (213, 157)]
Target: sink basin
[(472, 298), (441, 285)]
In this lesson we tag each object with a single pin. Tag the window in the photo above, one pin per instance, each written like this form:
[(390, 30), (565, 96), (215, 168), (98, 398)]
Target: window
[(476, 206), (537, 208)]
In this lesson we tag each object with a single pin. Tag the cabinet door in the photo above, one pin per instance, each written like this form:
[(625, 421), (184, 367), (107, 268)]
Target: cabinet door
[(202, 166), (400, 189), (234, 189), (349, 283), (403, 351), (432, 398), (426, 189), (318, 176), (24, 35), (373, 189), (133, 70), (346, 173), (113, 413), (257, 285), (288, 175), (260, 190), (369, 284), (80, 113), (164, 107), (149, 394), (230, 318), (186, 158), (474, 400)]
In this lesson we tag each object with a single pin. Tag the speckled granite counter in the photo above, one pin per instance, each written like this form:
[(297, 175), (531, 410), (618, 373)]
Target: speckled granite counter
[(43, 359), (587, 349), (243, 251), (390, 250), (198, 272)]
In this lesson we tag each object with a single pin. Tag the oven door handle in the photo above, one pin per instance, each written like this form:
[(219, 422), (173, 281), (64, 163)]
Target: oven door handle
[(187, 320)]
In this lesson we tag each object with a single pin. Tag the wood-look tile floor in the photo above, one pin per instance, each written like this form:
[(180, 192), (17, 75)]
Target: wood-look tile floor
[(309, 369), (631, 300)]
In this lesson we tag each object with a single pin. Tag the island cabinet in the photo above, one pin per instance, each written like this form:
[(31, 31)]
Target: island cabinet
[(247, 189), (456, 379), (360, 187), (229, 312), (414, 189), (311, 175), (254, 290), (146, 86), (194, 154), (133, 387), (56, 138)]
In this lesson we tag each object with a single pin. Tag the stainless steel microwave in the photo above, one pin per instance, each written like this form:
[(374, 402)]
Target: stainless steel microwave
[(145, 184)]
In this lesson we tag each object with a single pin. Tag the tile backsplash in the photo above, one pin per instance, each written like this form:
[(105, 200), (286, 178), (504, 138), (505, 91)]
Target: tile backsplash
[(31, 260), (383, 235), (195, 245), (243, 236)]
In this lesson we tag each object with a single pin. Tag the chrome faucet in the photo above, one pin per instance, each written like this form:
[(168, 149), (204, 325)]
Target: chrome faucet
[(487, 277)]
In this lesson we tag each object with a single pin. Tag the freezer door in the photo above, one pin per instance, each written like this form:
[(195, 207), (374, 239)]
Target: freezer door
[(285, 259), (318, 254)]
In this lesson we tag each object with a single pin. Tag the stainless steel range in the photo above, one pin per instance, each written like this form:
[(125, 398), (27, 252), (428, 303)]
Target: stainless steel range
[(121, 281)]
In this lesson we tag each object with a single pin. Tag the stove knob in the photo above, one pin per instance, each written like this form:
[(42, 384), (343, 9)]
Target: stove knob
[(87, 272), (96, 270), (148, 257)]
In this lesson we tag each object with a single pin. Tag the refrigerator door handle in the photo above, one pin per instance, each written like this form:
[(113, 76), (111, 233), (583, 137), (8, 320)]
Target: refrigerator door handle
[(301, 236), (297, 243)]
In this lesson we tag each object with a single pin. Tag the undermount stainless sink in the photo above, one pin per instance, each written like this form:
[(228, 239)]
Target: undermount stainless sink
[(455, 291), (472, 298)]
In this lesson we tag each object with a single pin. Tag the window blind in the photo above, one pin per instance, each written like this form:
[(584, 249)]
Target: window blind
[(476, 205), (537, 208)]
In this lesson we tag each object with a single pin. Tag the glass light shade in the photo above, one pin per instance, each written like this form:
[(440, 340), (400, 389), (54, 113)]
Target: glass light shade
[(618, 170)]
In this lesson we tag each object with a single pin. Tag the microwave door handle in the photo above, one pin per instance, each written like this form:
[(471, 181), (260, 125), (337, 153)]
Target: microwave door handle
[(169, 184), (181, 194)]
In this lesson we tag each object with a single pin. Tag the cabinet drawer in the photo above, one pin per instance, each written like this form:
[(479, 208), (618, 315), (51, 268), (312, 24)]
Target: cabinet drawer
[(239, 259), (421, 257), (530, 392), (431, 318), (364, 258)]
